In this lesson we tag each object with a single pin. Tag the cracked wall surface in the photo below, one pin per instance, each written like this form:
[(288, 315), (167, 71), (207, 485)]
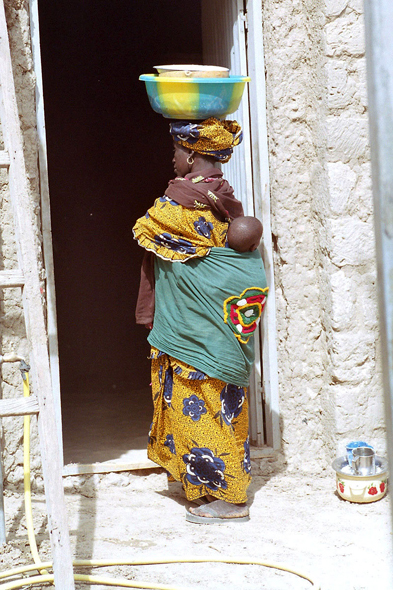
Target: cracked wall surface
[(325, 269)]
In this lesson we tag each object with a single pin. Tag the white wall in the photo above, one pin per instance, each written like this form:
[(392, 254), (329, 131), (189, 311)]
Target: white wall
[(329, 371)]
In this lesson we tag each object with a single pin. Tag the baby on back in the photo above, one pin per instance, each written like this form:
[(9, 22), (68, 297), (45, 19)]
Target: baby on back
[(244, 234)]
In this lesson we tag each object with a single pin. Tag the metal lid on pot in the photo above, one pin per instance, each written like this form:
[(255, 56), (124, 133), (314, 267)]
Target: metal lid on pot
[(341, 466)]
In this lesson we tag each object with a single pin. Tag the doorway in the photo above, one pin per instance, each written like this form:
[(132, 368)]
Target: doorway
[(109, 157)]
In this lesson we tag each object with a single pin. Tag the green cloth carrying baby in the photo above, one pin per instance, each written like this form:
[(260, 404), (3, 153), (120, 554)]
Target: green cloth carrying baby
[(207, 310)]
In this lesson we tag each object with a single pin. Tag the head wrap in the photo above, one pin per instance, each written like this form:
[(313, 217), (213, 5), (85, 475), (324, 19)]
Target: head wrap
[(210, 137)]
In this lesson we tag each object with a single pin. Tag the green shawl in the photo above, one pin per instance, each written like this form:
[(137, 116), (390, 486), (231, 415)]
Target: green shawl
[(206, 310)]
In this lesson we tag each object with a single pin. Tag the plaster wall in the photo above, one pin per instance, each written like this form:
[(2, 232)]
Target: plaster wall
[(329, 371), (325, 269)]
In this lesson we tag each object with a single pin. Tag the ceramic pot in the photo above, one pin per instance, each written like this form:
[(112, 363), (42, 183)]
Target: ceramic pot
[(358, 488)]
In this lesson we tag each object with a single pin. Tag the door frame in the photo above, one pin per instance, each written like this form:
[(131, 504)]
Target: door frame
[(261, 185), (247, 57), (238, 26), (46, 226)]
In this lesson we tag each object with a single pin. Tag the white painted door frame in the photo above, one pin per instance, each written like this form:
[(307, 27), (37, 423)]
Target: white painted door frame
[(261, 186), (233, 37), (241, 38), (46, 226)]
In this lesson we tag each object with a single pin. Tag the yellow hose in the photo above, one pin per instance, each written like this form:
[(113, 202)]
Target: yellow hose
[(26, 478), (118, 583), (46, 578), (49, 578)]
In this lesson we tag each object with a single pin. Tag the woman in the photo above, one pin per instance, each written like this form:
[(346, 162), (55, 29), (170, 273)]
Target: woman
[(208, 300)]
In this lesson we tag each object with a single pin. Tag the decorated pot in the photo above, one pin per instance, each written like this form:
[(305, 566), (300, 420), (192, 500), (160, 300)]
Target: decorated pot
[(358, 488)]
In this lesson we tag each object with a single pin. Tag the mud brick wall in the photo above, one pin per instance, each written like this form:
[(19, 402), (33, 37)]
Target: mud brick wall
[(325, 269)]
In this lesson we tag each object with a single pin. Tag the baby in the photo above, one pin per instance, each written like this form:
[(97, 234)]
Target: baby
[(244, 234)]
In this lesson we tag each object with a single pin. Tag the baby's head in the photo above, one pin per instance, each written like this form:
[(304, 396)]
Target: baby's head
[(244, 234)]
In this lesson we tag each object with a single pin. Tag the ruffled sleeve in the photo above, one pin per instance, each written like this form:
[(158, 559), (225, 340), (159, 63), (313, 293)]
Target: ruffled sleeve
[(174, 232)]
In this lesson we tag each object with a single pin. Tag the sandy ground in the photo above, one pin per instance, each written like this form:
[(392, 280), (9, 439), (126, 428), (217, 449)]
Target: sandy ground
[(295, 520)]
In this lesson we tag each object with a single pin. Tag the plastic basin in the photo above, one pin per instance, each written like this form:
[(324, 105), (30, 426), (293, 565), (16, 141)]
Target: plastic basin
[(194, 98)]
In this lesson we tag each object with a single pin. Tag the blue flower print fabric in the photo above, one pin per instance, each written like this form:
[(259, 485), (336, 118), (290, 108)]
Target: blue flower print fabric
[(232, 399), (170, 443), (174, 232), (166, 199), (196, 375), (203, 228), (168, 385), (194, 407), (247, 456), (175, 244), (200, 430), (204, 468)]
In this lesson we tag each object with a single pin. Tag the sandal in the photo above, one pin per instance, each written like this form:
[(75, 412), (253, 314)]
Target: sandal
[(218, 511), (202, 501)]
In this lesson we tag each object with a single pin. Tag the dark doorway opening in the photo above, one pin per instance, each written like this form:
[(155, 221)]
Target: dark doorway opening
[(109, 157)]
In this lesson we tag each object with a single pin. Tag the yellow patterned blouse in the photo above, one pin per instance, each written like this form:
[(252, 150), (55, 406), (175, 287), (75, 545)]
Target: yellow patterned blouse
[(174, 232)]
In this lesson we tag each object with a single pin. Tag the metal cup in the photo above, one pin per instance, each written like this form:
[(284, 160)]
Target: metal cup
[(363, 461), (354, 445)]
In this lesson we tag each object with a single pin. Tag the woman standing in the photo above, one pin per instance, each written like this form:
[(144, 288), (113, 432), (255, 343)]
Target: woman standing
[(202, 302)]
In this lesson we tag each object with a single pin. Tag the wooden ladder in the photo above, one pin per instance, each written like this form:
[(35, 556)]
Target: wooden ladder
[(27, 277)]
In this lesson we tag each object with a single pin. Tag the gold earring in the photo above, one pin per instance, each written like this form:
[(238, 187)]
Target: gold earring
[(190, 160)]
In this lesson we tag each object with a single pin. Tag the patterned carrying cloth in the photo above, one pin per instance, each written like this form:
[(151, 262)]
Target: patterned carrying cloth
[(191, 217)]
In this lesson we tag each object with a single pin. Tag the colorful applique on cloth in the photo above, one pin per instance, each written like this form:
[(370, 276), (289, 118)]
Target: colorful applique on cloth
[(242, 312)]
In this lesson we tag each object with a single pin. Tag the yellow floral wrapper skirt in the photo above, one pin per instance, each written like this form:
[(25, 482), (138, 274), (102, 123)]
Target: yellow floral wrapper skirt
[(199, 432)]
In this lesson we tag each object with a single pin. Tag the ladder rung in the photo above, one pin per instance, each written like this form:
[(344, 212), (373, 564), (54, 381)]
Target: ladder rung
[(11, 278), (19, 406), (4, 159)]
